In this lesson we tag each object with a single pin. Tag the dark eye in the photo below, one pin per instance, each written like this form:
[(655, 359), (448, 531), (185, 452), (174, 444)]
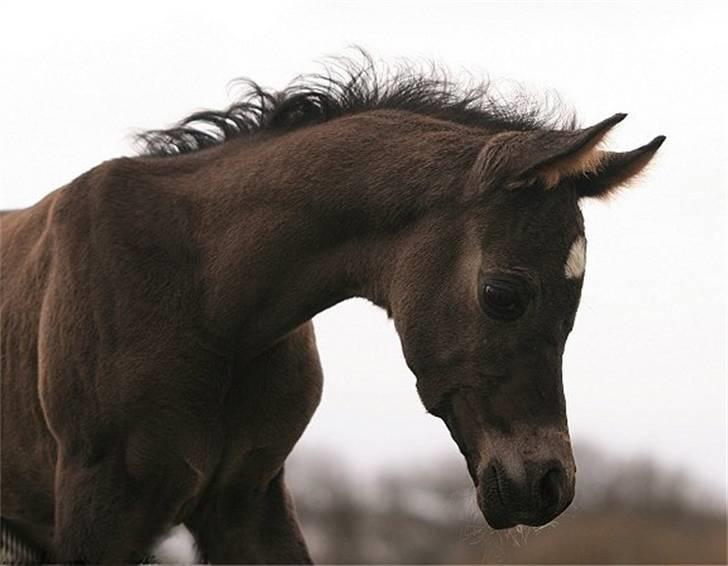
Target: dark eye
[(502, 300)]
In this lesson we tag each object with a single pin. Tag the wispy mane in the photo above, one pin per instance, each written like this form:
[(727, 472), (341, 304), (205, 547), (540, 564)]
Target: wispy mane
[(348, 86)]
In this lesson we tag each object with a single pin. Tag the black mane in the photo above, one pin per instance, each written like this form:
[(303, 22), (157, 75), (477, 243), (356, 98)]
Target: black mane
[(348, 87)]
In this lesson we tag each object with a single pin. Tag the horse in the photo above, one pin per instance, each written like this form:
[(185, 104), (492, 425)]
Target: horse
[(158, 357)]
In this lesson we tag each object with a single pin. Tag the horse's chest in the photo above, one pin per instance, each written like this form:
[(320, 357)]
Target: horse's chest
[(265, 417), (266, 410)]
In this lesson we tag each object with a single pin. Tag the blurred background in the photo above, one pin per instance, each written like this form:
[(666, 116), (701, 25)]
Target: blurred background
[(626, 511), (646, 376)]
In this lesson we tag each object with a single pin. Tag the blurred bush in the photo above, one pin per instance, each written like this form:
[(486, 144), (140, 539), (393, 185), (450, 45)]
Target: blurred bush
[(624, 512)]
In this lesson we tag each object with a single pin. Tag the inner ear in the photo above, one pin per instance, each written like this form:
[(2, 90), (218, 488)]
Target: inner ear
[(582, 162), (616, 169), (551, 155)]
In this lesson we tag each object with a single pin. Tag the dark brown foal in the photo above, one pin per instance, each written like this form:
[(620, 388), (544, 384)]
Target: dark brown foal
[(158, 363)]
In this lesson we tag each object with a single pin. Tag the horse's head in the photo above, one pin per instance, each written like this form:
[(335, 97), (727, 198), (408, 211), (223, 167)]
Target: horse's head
[(484, 299)]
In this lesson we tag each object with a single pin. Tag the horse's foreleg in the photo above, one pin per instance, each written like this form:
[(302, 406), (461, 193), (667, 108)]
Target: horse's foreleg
[(261, 528), (246, 514), (97, 514), (105, 515)]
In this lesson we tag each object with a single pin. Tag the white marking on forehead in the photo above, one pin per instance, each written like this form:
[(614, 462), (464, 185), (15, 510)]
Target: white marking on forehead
[(576, 260)]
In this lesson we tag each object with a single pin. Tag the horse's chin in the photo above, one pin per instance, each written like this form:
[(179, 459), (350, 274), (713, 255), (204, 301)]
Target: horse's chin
[(500, 519)]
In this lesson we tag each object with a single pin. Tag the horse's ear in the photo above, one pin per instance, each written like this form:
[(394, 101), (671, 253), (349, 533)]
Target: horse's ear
[(547, 156), (616, 169)]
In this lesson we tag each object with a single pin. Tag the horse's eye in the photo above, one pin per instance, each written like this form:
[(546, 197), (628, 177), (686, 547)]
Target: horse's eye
[(502, 300)]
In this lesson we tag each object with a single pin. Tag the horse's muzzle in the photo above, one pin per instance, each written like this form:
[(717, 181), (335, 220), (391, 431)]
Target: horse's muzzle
[(543, 492)]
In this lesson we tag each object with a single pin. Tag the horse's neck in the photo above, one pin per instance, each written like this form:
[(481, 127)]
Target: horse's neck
[(294, 225)]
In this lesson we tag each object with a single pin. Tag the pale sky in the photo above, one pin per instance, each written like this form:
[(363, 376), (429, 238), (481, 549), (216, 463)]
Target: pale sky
[(645, 368)]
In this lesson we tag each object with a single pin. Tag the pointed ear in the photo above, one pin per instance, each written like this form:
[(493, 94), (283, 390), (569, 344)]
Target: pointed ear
[(547, 156), (616, 169)]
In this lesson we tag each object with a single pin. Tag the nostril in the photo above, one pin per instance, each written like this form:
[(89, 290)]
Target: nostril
[(491, 480), (549, 487), (494, 484)]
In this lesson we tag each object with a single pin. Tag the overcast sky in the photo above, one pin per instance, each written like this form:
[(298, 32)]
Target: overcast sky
[(645, 368)]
